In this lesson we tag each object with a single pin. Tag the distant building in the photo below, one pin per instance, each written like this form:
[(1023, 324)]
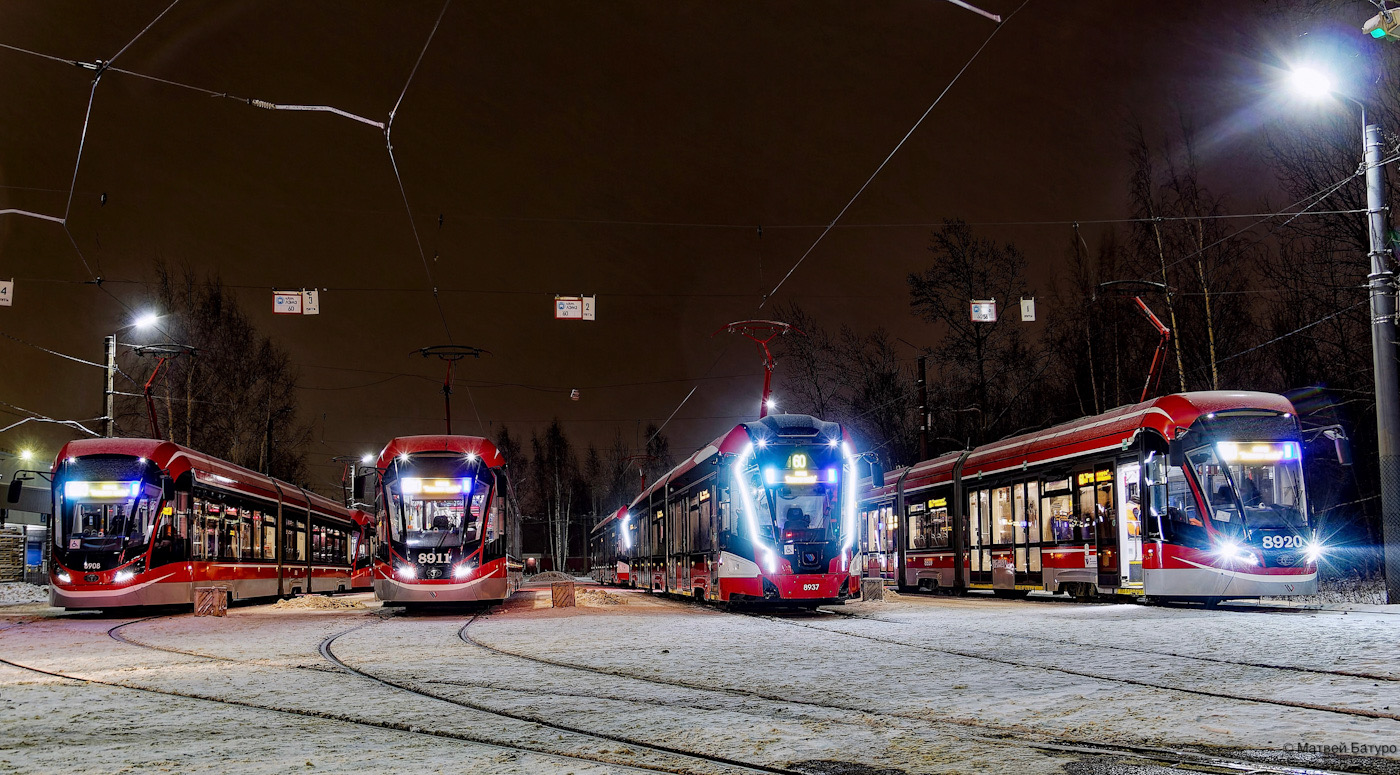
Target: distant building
[(28, 519)]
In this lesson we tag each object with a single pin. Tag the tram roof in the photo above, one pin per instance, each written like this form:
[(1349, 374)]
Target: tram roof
[(1166, 415), (740, 436), (176, 460), (464, 445), (608, 520)]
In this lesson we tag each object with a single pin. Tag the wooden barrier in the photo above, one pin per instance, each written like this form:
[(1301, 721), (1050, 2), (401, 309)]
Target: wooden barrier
[(563, 593), (872, 589), (210, 601)]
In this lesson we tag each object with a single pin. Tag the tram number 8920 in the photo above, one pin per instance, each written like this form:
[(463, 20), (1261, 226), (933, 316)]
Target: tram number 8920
[(1283, 542)]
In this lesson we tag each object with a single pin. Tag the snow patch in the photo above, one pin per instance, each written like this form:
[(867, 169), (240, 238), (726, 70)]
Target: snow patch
[(18, 593), (320, 602)]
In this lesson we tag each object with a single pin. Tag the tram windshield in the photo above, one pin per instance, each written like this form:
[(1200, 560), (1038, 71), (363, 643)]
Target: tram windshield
[(1252, 485), (106, 516), (797, 496), (437, 512)]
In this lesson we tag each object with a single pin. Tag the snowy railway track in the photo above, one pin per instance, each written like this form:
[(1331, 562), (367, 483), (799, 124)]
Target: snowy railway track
[(115, 633), (1187, 761), (925, 647), (327, 651), (1147, 652), (391, 726)]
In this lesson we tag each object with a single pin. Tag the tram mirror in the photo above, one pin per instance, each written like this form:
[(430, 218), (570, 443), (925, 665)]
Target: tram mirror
[(16, 487), (360, 482), (877, 473), (167, 488), (1343, 445), (1176, 453)]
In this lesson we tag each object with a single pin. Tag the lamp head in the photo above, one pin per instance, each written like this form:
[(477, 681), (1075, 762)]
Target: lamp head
[(146, 320), (1309, 82)]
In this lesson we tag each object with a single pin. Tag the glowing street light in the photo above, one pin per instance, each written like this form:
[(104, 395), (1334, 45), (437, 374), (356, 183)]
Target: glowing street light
[(367, 459), (1313, 83), (1310, 83), (146, 320), (26, 455)]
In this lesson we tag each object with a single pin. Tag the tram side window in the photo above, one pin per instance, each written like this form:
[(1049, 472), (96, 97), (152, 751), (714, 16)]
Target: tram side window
[(269, 537), (248, 537), (294, 539), (974, 535), (704, 523), (1003, 520), (1057, 514), (928, 524), (1030, 522)]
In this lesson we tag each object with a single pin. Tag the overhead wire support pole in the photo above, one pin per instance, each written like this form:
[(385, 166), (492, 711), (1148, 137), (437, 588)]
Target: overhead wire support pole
[(1381, 282)]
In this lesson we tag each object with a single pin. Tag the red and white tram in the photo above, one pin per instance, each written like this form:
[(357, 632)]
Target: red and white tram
[(608, 550), (763, 514), (144, 522), (361, 543), (1188, 496), (446, 531)]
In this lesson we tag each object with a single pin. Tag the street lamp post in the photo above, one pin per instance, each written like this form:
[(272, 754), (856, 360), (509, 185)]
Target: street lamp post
[(109, 421), (1381, 285)]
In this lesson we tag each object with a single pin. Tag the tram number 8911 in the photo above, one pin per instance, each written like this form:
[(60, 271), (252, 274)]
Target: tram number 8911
[(1284, 542), (433, 558)]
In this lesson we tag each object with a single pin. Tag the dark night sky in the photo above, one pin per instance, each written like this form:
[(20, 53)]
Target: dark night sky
[(563, 143)]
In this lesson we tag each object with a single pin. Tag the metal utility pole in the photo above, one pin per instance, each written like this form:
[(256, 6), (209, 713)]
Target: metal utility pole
[(1382, 288), (108, 422), (923, 408)]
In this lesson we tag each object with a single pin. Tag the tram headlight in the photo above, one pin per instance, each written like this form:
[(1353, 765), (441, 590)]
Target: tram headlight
[(462, 570), (122, 576), (1314, 551), (408, 572), (1231, 551), (63, 577)]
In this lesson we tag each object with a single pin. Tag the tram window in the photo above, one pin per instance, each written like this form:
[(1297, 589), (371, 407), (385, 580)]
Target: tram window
[(269, 541), (929, 527), (974, 535), (1057, 513), (1018, 503), (1032, 526), (1087, 503), (1002, 519), (984, 511), (247, 536)]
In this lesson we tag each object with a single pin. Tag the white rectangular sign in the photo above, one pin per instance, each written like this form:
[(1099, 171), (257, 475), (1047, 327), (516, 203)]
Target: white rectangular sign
[(568, 308), (7, 292), (984, 311), (1028, 310), (310, 303), (590, 307), (286, 302)]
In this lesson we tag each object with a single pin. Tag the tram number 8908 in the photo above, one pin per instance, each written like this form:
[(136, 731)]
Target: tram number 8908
[(1283, 542)]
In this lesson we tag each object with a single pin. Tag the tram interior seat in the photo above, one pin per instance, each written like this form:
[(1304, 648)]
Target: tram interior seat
[(441, 522)]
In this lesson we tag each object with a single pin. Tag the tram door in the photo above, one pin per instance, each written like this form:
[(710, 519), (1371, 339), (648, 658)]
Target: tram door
[(1106, 528), (1129, 486)]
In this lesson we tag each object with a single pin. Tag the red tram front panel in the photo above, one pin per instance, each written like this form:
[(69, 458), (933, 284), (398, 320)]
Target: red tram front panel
[(445, 529)]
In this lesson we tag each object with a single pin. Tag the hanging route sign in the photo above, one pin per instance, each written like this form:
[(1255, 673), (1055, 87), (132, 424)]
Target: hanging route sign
[(575, 307), (7, 292), (984, 311)]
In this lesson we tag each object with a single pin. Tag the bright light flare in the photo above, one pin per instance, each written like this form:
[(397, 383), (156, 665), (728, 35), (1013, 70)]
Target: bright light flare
[(122, 576), (367, 460), (146, 320), (408, 572), (1310, 83), (26, 455), (1231, 551), (1314, 551), (462, 570)]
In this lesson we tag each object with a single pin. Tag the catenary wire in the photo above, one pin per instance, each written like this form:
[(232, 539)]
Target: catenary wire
[(897, 146)]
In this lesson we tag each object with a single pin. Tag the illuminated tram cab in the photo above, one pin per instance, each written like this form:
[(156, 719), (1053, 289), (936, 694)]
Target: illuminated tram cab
[(145, 522), (1193, 496), (445, 529), (764, 515)]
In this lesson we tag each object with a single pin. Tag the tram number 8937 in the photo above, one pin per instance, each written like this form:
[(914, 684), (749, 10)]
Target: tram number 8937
[(811, 587), (1284, 542)]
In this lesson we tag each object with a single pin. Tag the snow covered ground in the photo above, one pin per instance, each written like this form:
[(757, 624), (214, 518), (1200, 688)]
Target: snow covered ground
[(628, 682)]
